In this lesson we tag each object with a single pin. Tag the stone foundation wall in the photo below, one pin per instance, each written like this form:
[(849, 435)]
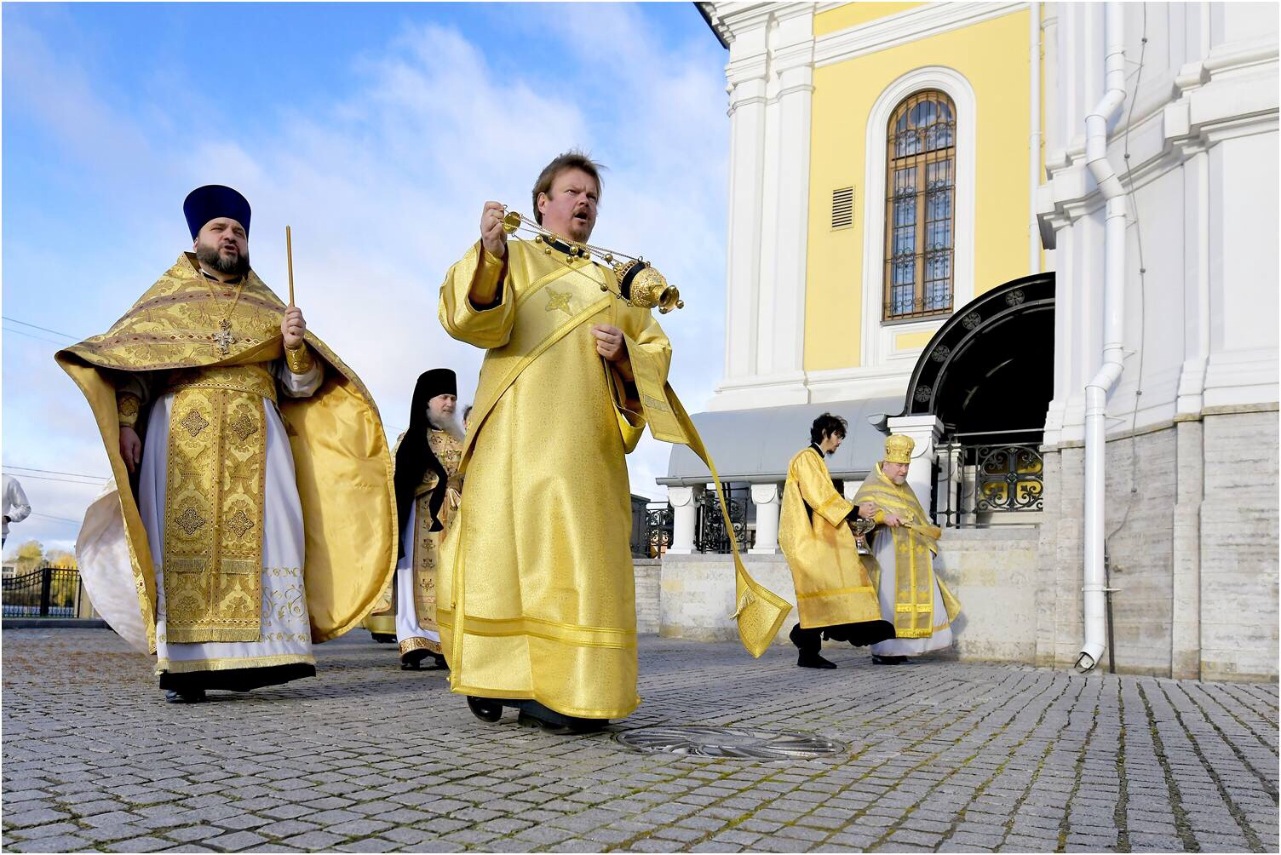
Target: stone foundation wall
[(647, 585), (1191, 526), (990, 570)]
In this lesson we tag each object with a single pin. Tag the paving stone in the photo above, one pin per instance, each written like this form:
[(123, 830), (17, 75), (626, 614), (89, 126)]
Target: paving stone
[(356, 769), (54, 829), (368, 844), (138, 844), (23, 819), (57, 843)]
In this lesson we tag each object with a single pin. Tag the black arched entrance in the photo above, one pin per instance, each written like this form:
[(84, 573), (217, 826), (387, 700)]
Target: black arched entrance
[(988, 376)]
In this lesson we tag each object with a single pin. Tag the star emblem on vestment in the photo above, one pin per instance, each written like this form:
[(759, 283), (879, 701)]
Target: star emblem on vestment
[(243, 426), (194, 422), (240, 523), (558, 300), (190, 521)]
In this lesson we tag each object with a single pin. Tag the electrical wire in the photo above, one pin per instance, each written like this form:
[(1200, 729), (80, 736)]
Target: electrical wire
[(13, 467), (57, 519), (36, 337), (35, 327), (97, 483), (1143, 314)]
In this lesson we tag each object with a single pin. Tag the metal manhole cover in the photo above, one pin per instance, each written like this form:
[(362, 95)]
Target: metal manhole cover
[(751, 744)]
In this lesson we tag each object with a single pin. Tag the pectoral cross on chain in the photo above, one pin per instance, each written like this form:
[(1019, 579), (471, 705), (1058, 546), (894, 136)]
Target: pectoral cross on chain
[(223, 337)]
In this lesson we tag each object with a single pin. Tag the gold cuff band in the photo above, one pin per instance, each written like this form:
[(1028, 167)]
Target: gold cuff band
[(128, 406), (298, 359)]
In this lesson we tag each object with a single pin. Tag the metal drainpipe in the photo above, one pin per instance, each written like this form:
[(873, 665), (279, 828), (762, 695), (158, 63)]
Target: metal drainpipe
[(1109, 373)]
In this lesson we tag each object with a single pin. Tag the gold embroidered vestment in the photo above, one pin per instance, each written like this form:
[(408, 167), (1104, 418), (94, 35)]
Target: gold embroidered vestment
[(832, 585), (915, 545), (216, 362)]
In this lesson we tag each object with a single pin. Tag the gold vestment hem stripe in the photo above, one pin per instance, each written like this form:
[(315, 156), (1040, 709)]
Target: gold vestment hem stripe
[(419, 643), (169, 666), (580, 636), (545, 700), (837, 592)]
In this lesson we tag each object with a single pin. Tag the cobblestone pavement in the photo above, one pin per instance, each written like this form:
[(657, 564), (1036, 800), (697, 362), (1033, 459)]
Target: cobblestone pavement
[(367, 758)]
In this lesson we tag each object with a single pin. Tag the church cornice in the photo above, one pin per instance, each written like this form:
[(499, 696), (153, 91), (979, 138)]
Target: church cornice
[(922, 22)]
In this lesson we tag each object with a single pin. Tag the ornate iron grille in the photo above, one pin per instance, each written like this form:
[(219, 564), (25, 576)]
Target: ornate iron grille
[(1008, 478), (919, 207), (43, 592), (711, 535), (987, 478), (658, 529)]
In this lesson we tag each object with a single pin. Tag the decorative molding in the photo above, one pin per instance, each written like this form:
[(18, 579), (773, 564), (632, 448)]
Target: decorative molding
[(878, 346), (756, 391), (893, 30), (1230, 93), (858, 384)]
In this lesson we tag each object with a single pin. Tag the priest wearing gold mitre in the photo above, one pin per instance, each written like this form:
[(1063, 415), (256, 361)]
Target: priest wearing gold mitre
[(904, 546), (232, 432), (537, 605), (834, 595)]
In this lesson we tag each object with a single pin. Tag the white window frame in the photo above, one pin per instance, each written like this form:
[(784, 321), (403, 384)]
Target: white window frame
[(879, 336)]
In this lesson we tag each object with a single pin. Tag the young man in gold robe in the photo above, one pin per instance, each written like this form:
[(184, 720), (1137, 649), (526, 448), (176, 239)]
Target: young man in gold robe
[(904, 545), (428, 491), (537, 590), (834, 595), (208, 550)]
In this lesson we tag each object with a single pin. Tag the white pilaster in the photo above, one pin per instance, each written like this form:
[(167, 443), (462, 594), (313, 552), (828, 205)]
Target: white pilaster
[(746, 76), (925, 431), (770, 76), (684, 502), (784, 241), (765, 497)]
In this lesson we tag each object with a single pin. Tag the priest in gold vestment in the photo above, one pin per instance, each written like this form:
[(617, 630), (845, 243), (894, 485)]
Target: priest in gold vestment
[(232, 431), (537, 603), (428, 491), (904, 546), (834, 594)]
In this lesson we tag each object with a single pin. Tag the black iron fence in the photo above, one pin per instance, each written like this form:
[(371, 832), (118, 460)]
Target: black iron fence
[(651, 528), (1000, 473), (42, 592), (710, 534)]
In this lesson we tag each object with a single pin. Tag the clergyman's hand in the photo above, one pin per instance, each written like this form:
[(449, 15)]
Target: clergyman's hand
[(492, 235), (292, 327), (891, 521), (130, 448)]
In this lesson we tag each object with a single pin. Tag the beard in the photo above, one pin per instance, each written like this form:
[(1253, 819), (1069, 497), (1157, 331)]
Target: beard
[(449, 424), (212, 258)]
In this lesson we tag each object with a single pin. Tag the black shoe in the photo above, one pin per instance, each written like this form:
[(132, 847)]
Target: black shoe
[(889, 660), (412, 660), (188, 696), (813, 660), (485, 709), (441, 664), (534, 714)]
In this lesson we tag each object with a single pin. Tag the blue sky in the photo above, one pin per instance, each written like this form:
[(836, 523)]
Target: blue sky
[(376, 131)]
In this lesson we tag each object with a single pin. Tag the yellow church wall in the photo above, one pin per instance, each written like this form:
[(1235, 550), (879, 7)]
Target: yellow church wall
[(855, 15), (993, 57), (907, 341)]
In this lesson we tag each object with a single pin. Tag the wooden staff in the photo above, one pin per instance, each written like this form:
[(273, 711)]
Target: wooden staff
[(289, 254)]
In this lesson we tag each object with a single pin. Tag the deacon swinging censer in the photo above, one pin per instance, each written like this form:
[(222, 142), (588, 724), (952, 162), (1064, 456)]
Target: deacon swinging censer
[(639, 283)]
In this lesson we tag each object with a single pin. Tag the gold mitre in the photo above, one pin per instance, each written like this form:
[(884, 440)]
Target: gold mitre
[(898, 448)]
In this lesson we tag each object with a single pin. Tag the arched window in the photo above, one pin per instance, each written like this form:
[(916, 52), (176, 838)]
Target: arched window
[(920, 192)]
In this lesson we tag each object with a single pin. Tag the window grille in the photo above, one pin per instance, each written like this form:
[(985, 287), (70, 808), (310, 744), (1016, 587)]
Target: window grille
[(920, 196)]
